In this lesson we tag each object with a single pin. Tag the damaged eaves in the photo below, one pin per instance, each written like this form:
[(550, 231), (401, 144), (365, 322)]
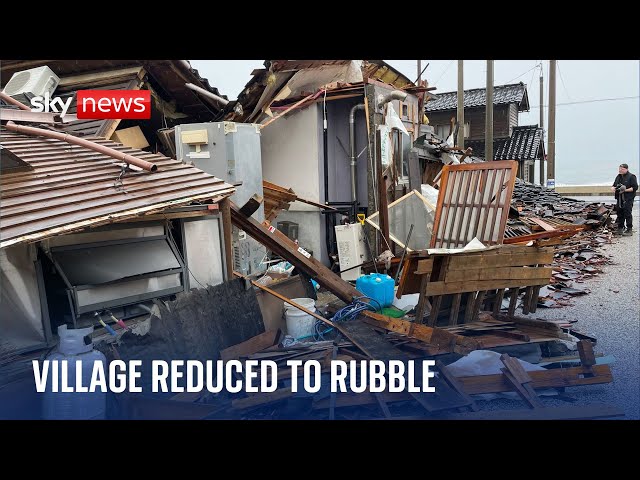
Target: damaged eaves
[(271, 84), (71, 188)]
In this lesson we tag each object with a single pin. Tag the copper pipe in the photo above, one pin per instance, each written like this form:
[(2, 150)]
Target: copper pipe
[(65, 137), (13, 101)]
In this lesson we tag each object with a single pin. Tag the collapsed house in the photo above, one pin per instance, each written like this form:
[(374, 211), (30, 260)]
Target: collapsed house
[(318, 134), (309, 145)]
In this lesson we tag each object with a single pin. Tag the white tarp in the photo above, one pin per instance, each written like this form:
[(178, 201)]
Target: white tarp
[(20, 315)]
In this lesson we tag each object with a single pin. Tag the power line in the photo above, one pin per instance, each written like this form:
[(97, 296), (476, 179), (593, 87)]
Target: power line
[(592, 101), (445, 71), (521, 75), (562, 80)]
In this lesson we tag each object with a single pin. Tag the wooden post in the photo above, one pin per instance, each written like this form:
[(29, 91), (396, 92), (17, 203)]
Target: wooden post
[(225, 210)]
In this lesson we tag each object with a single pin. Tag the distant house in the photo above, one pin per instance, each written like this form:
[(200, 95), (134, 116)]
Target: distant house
[(511, 141)]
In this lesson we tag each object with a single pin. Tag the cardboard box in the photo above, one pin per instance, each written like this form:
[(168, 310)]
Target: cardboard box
[(131, 137)]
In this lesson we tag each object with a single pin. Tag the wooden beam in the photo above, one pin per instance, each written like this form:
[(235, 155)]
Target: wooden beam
[(281, 245), (96, 77), (252, 205), (585, 350), (505, 273), (496, 383), (520, 379), (261, 399), (444, 288), (433, 336), (464, 263), (253, 345), (553, 413), (225, 208)]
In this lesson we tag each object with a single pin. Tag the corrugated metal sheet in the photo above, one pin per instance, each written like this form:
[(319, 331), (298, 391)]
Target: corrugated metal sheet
[(477, 97), (71, 187)]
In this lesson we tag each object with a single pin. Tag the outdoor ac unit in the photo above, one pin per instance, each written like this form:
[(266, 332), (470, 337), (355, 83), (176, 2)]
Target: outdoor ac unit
[(26, 84)]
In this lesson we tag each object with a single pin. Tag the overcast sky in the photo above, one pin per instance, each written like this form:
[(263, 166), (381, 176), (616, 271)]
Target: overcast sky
[(592, 138)]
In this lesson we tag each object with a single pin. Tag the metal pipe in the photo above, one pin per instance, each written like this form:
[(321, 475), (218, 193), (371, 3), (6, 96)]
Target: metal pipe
[(65, 137), (393, 95), (207, 94), (352, 145), (13, 101), (144, 307)]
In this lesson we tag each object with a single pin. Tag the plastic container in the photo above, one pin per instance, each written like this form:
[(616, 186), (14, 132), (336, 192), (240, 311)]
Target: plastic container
[(300, 325), (75, 345), (378, 286)]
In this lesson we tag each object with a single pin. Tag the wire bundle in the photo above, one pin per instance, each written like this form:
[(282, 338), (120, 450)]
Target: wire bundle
[(346, 313)]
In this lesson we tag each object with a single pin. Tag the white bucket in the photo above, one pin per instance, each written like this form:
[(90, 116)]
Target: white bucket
[(299, 323)]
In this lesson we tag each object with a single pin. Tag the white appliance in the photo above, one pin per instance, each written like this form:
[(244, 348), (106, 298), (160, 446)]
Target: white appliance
[(351, 249), (231, 152), (26, 84)]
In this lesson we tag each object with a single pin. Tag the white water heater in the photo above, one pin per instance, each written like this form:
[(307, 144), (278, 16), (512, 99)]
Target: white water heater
[(351, 250)]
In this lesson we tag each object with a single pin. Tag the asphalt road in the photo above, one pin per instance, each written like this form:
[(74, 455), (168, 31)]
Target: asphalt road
[(614, 319)]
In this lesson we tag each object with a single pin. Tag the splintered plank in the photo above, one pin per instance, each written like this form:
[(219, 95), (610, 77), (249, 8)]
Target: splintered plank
[(445, 288), (497, 303), (378, 348), (475, 262), (504, 273), (445, 341), (550, 413), (585, 350), (496, 383), (513, 301), (455, 308), (520, 379), (252, 205), (253, 345), (261, 399), (281, 245)]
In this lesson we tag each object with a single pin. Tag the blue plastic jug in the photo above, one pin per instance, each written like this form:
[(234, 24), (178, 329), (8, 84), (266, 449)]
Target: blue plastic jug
[(378, 286)]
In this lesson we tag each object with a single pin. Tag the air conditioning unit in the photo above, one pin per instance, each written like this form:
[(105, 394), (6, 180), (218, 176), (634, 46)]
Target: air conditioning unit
[(26, 84)]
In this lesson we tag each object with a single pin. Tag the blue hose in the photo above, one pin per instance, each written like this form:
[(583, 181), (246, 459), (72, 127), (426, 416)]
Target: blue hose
[(346, 313)]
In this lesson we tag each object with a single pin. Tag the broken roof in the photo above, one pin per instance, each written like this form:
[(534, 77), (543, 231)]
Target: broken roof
[(526, 143), (72, 187), (166, 77), (477, 97), (288, 80)]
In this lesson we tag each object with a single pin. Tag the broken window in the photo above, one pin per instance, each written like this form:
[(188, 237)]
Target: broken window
[(412, 209)]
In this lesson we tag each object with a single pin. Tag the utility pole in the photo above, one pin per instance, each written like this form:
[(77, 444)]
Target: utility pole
[(551, 160), (488, 129), (419, 71), (460, 142), (542, 179)]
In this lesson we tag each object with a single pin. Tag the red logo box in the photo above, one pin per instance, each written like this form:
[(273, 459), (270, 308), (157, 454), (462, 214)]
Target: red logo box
[(114, 104)]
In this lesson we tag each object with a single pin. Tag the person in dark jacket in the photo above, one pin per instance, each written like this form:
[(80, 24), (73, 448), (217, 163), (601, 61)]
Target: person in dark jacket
[(624, 186)]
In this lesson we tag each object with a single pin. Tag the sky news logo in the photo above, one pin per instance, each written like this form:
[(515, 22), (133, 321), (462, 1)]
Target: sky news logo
[(99, 104)]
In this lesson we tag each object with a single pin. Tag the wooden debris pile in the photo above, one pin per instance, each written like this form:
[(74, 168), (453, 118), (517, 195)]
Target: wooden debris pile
[(371, 336)]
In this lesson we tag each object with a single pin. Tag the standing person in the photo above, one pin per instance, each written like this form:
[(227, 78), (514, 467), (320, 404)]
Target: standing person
[(624, 186)]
